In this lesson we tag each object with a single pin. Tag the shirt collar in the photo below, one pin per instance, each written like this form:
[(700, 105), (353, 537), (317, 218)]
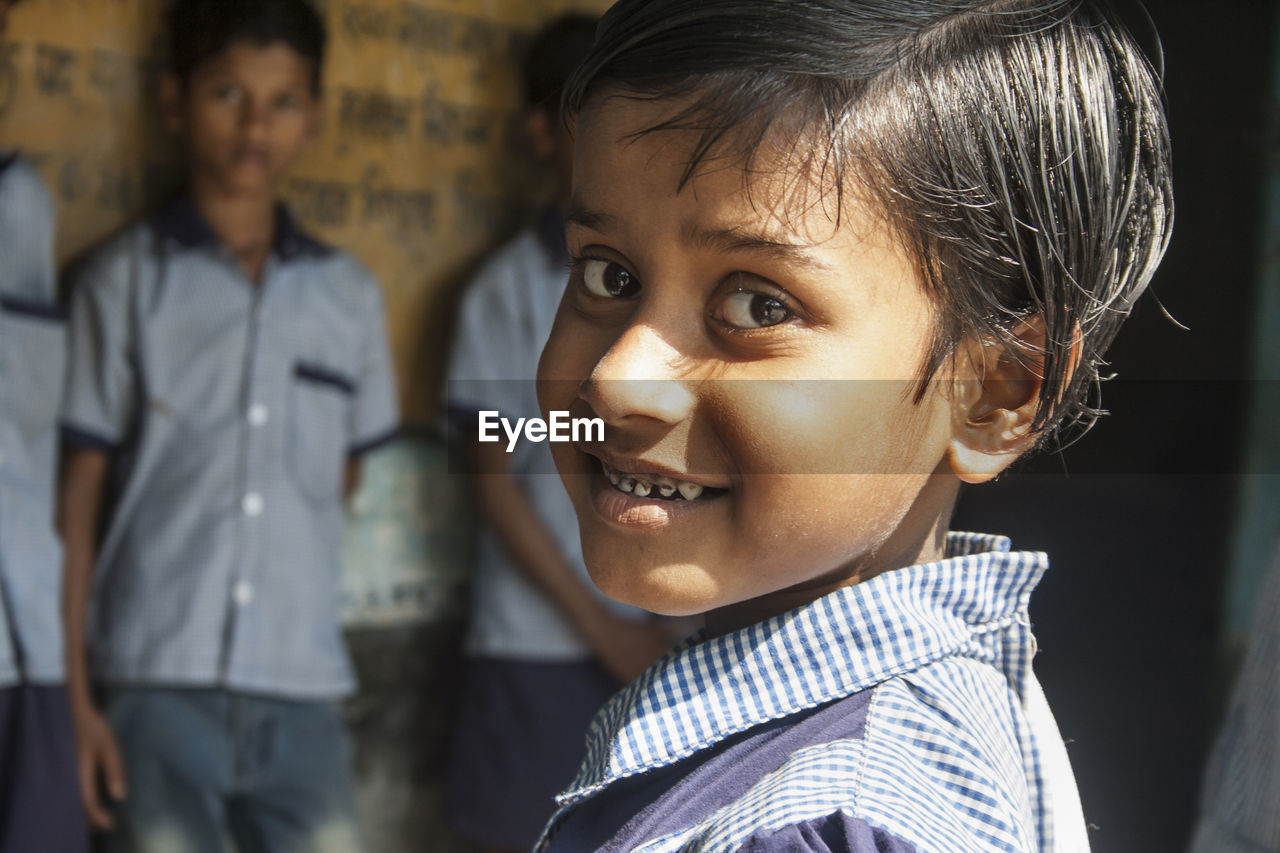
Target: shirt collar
[(854, 638), (179, 220), (7, 159)]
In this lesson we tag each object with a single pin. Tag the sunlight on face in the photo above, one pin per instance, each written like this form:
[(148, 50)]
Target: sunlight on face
[(744, 349)]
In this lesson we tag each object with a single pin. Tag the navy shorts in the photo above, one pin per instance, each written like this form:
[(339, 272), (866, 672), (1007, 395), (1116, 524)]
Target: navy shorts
[(40, 807), (520, 736)]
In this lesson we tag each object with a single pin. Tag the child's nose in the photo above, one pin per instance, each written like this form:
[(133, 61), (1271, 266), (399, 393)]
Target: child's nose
[(641, 375), (254, 117)]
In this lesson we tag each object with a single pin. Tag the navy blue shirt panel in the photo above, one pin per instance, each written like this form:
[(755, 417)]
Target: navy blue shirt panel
[(836, 833), (180, 221), (651, 805)]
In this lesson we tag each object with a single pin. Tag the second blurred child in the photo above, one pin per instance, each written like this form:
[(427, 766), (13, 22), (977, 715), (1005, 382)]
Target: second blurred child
[(545, 649), (226, 373), (39, 803)]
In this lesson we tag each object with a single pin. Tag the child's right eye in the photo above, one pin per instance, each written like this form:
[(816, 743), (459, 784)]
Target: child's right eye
[(608, 279)]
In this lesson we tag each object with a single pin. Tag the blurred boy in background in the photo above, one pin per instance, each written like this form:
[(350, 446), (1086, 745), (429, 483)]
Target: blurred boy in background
[(39, 805), (1240, 800), (226, 373), (545, 648)]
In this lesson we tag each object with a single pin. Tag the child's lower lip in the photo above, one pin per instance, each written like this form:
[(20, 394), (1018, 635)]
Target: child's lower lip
[(628, 511)]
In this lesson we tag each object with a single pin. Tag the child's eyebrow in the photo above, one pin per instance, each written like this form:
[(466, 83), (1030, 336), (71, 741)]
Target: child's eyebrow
[(739, 239), (595, 220), (729, 240)]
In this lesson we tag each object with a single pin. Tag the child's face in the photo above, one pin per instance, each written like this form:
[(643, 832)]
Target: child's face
[(749, 346), (246, 114)]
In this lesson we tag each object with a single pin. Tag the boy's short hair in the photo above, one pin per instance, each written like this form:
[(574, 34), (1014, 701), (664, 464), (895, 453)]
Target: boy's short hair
[(553, 54), (202, 29), (1017, 147)]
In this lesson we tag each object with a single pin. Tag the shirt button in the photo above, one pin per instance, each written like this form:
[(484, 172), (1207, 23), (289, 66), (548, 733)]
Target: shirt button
[(252, 504), (242, 593), (258, 414)]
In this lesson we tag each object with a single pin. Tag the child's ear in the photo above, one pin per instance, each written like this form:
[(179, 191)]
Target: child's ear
[(538, 130), (171, 101), (996, 393)]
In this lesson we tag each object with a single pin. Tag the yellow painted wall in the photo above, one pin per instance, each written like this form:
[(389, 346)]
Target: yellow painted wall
[(419, 169)]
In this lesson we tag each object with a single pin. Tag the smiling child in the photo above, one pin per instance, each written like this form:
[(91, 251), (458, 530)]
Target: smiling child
[(831, 261)]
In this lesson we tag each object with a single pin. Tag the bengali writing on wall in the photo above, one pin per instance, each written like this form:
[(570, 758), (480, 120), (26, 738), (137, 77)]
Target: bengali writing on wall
[(418, 170)]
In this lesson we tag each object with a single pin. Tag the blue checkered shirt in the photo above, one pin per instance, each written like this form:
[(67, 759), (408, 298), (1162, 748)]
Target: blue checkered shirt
[(32, 358), (229, 409), (900, 714)]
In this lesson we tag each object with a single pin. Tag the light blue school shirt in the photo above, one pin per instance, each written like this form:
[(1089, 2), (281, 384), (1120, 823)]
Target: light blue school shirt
[(898, 715), (1240, 802), (32, 357), (230, 410)]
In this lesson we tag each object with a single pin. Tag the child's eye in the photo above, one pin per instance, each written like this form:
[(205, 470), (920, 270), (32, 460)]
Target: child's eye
[(746, 309), (286, 102), (608, 280)]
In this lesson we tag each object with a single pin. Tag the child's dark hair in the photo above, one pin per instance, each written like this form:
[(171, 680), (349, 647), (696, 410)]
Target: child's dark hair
[(553, 53), (201, 29), (1018, 147)]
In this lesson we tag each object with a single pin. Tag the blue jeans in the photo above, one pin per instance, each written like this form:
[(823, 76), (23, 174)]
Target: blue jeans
[(205, 765)]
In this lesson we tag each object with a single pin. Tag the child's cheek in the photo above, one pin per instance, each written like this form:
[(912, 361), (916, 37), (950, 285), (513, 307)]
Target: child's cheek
[(822, 426), (569, 355)]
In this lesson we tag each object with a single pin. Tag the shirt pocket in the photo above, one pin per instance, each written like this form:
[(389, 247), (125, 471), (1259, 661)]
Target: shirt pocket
[(33, 361), (320, 412)]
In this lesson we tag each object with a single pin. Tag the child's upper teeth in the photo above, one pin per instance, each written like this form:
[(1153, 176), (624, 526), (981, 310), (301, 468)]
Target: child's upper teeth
[(664, 486), (690, 491)]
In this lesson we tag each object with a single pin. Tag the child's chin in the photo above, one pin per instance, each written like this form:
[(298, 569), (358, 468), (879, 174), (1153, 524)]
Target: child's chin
[(249, 181), (665, 590)]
